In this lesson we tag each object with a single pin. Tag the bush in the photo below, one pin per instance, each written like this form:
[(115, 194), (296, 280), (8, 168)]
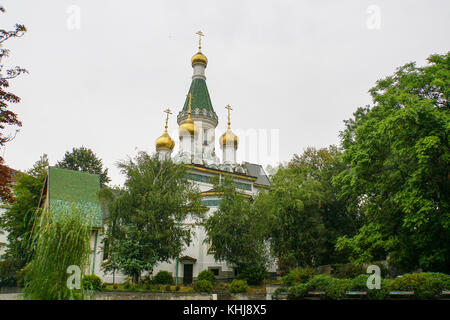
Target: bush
[(204, 286), (115, 286), (298, 292), (298, 276), (167, 288), (207, 275), (163, 277), (360, 284), (253, 274), (238, 286), (426, 285), (91, 282), (334, 288)]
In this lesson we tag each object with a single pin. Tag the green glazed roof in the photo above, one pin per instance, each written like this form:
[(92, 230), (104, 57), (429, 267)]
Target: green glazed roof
[(69, 187), (200, 96)]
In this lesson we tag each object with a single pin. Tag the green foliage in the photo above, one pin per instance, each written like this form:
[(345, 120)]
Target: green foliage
[(334, 288), (85, 160), (91, 282), (298, 275), (163, 277), (425, 285), (237, 232), (238, 286), (359, 283), (397, 153), (207, 275), (204, 286), (348, 270), (61, 240), (8, 269), (305, 216), (145, 216), (298, 291), (19, 216), (23, 275), (253, 274)]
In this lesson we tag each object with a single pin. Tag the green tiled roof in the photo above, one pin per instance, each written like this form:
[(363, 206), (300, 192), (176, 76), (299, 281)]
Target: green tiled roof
[(69, 187), (200, 96)]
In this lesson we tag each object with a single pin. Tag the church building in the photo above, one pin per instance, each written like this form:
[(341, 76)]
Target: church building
[(197, 122)]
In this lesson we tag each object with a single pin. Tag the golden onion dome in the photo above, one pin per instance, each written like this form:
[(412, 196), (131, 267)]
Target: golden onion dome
[(199, 58), (187, 127), (228, 139), (165, 142)]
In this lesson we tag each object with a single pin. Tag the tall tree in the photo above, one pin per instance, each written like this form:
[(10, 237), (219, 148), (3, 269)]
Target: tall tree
[(19, 216), (237, 232), (146, 222), (397, 152), (7, 117), (339, 215), (297, 231), (84, 159)]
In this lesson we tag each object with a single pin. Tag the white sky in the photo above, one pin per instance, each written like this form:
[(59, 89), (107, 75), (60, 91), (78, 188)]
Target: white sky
[(300, 67)]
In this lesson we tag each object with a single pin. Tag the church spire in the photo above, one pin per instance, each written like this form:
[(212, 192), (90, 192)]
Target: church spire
[(201, 105), (165, 144), (229, 142)]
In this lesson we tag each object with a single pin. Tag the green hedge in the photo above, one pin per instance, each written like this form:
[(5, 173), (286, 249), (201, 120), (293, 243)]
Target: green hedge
[(424, 285)]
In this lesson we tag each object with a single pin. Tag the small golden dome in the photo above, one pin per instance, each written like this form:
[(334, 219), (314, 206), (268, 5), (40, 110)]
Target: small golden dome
[(188, 127), (199, 58), (165, 142), (229, 138)]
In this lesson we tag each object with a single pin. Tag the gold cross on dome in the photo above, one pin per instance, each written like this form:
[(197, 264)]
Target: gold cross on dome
[(167, 116), (229, 109), (200, 35)]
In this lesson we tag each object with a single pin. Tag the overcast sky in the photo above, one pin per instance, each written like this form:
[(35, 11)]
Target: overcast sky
[(299, 67)]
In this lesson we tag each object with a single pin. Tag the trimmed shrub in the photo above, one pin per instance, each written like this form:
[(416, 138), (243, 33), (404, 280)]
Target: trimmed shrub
[(360, 284), (298, 275), (92, 282), (207, 275), (298, 292), (204, 286), (334, 288), (238, 286), (163, 277), (426, 285), (253, 274)]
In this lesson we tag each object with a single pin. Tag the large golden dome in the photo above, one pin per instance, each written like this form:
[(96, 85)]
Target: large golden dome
[(228, 139), (188, 127), (164, 142), (199, 58)]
